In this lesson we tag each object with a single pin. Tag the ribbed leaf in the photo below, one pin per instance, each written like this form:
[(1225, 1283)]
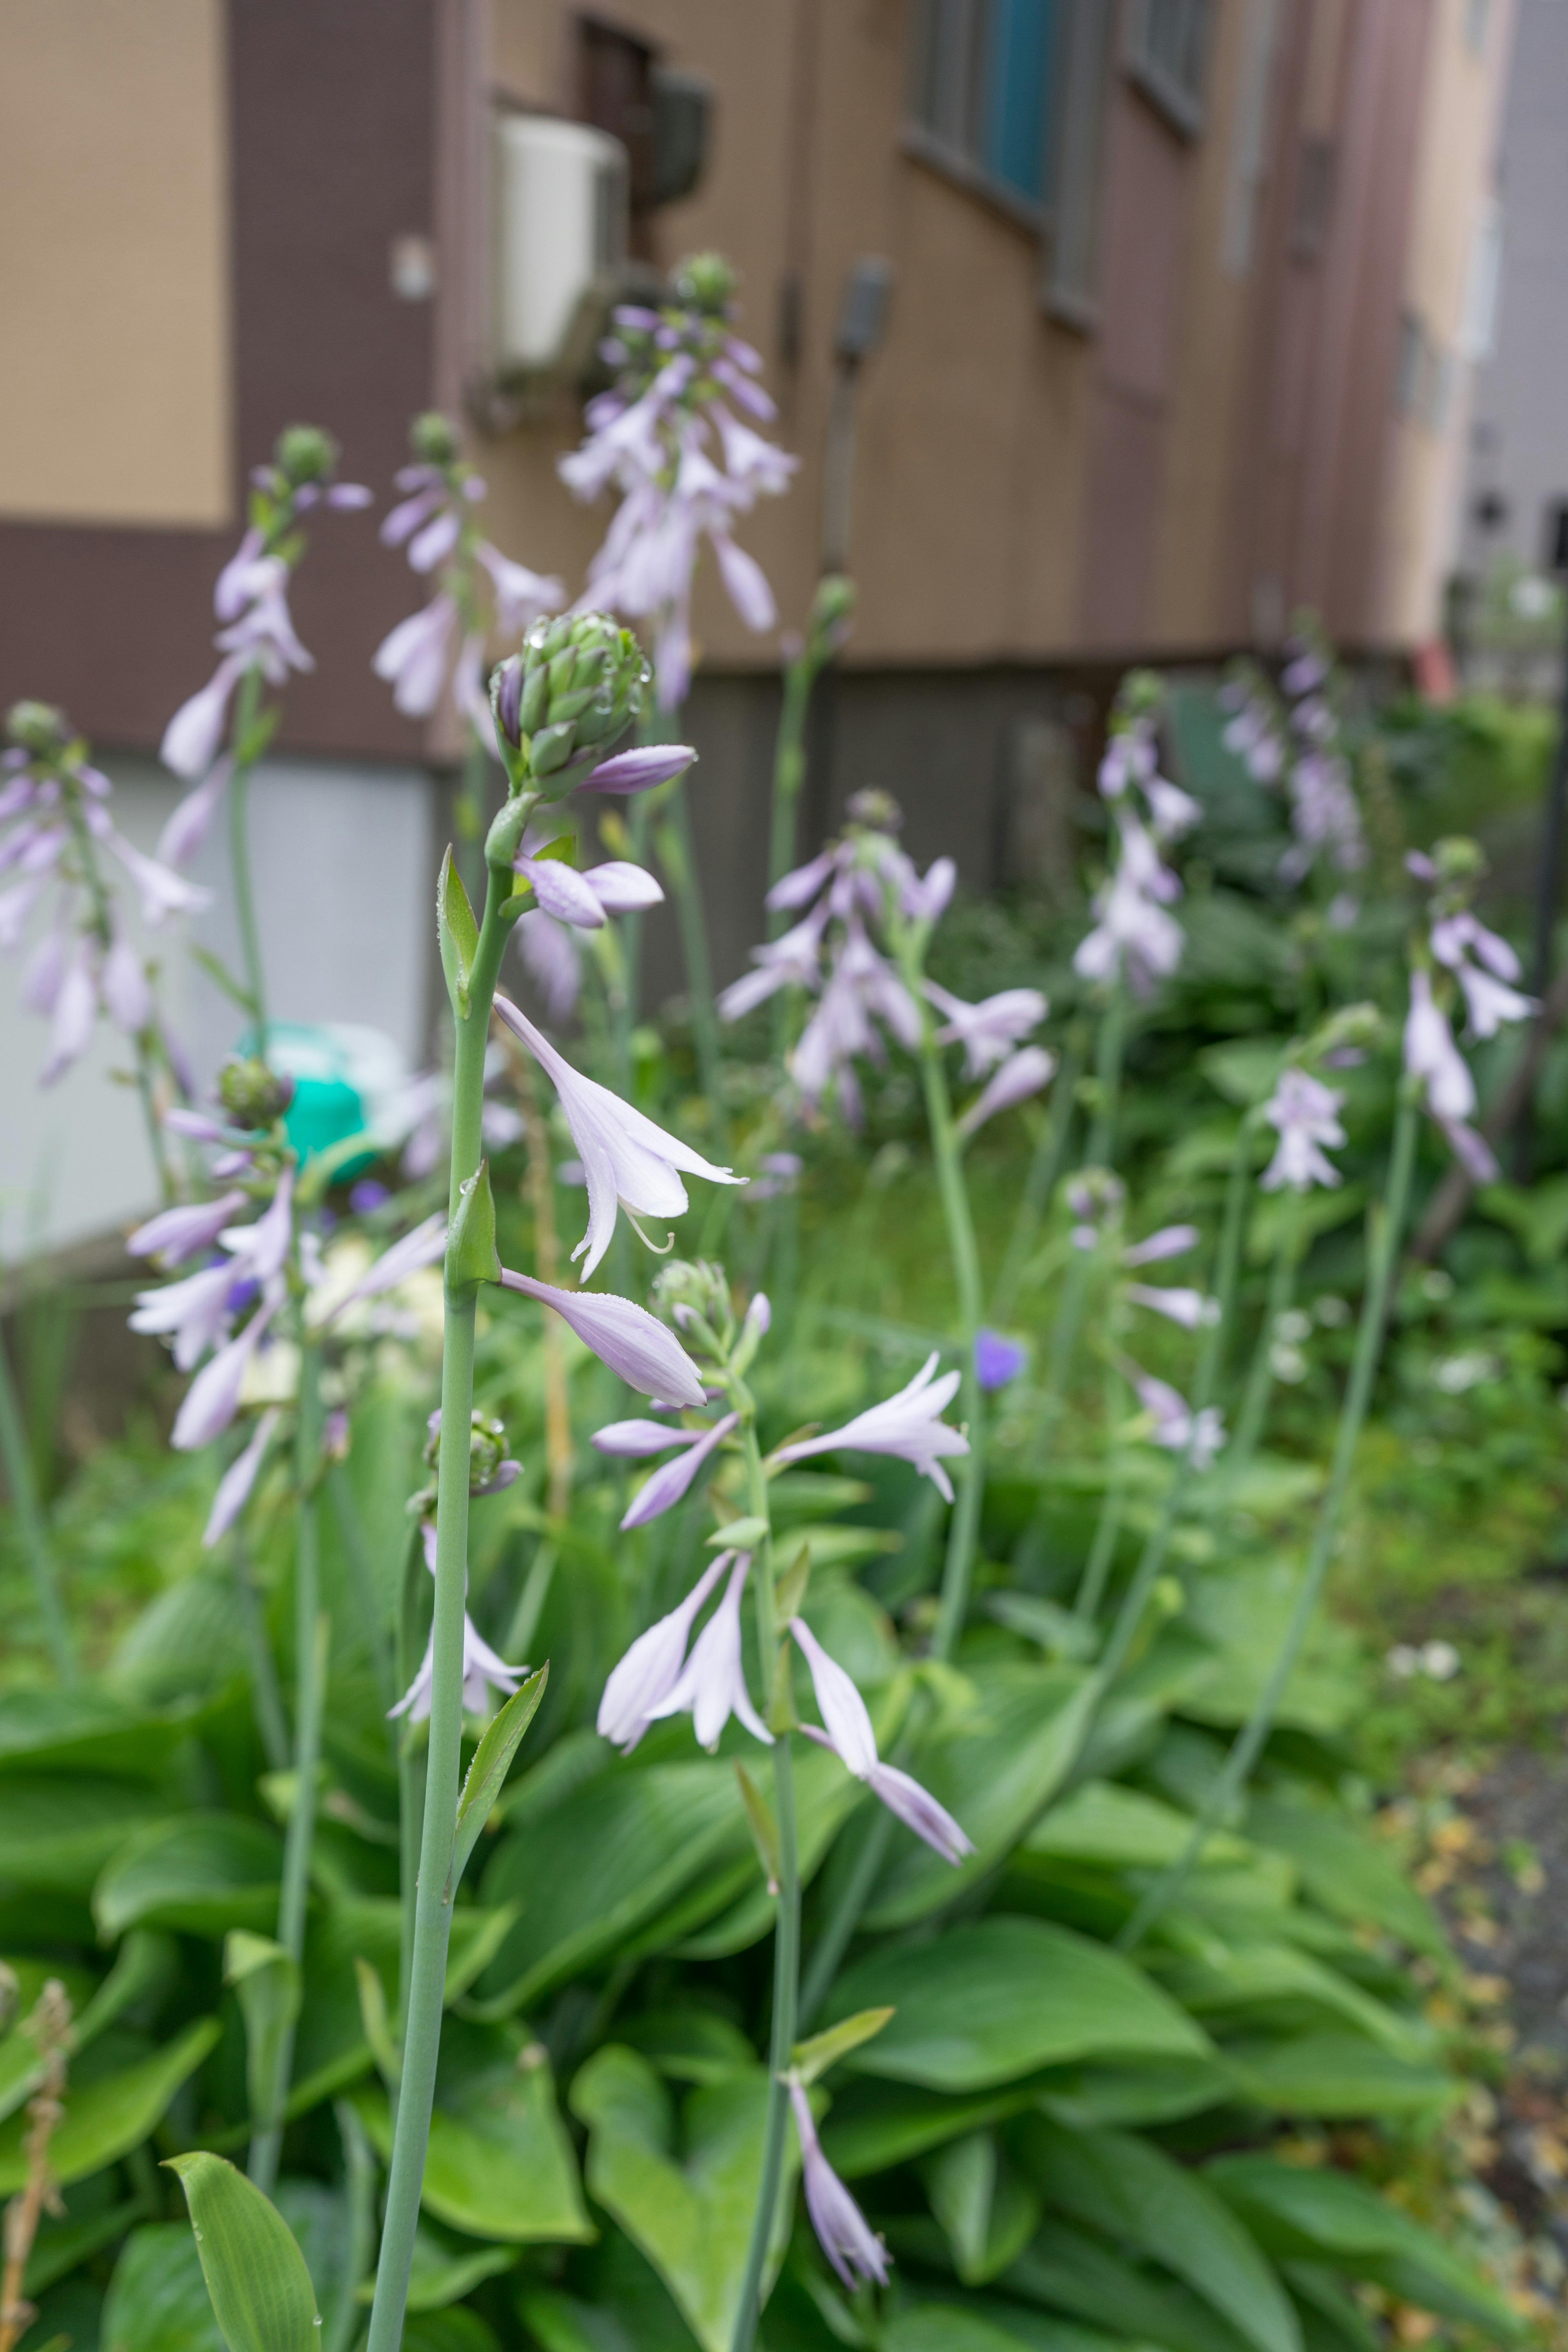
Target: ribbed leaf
[(105, 2119), (500, 2164), (204, 1872), (256, 2275), (158, 2299)]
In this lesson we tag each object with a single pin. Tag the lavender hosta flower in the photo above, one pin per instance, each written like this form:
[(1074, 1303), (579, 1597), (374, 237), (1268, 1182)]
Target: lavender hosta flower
[(780, 1175), (987, 1031), (792, 960), (685, 466), (638, 1348), (712, 1686), (650, 1669), (1171, 1241), (235, 1486), (908, 1425), (213, 1398), (1484, 966), (638, 769), (848, 1731), (673, 1479), (843, 2232), (1304, 1113), (1198, 1440), (863, 991), (1023, 1073), (997, 1361), (1133, 937), (584, 899), (1433, 1058), (483, 1672), (627, 1160), (1177, 1303), (423, 1247), (175, 1234)]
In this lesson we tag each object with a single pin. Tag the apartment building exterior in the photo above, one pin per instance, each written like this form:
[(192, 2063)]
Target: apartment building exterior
[(1172, 343)]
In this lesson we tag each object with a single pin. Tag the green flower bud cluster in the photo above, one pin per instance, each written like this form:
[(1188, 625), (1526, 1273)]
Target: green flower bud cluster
[(251, 1095), (705, 282), (696, 1293), (434, 439), (874, 811), (305, 454), (577, 684), (487, 1452), (832, 610), (1460, 862), (37, 727), (1354, 1029)]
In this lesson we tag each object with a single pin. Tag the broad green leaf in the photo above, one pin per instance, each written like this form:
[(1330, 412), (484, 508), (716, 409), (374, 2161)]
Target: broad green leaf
[(500, 2164), (202, 1872), (1276, 1976), (256, 2275), (1319, 2215), (458, 2330), (158, 2299), (471, 1256), (60, 2246), (445, 2269), (377, 2021), (1101, 1821), (688, 2044), (59, 1833), (1071, 2270), (741, 1535), (107, 2118), (492, 1762), (606, 1859), (1341, 2075), (1243, 1619), (825, 1796), (144, 1964), (1330, 2320), (990, 2326), (456, 933), (986, 2212), (985, 2003), (85, 1730), (1347, 1872), (994, 1771), (1160, 2091), (1130, 2190), (824, 2050), (874, 2126), (693, 2218), (267, 1979)]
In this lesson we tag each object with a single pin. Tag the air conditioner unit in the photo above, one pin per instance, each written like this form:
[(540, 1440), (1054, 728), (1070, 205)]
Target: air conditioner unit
[(559, 194)]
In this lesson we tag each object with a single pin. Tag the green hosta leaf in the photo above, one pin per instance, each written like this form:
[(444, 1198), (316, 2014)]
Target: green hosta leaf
[(950, 2328), (158, 2299), (448, 2331), (874, 2126), (1070, 2270), (1330, 2321), (256, 2275), (85, 1730), (59, 1833), (471, 1256), (1161, 2091), (204, 1872), (60, 2246), (456, 933), (987, 2214), (500, 2164), (824, 2050), (1133, 2192), (994, 1771), (825, 1795), (1347, 1872), (1341, 2075), (741, 1535), (143, 1966), (446, 2269), (1318, 2215), (492, 1760), (268, 1981), (691, 2218), (604, 1861), (986, 2003), (1122, 1829), (1259, 1975), (107, 2118)]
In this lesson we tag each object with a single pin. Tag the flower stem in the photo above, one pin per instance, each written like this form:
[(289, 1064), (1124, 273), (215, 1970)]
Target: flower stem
[(1111, 1047), (786, 1933), (964, 1250), (789, 773), (1260, 1376), (309, 1692), (1236, 1771), (470, 814), (1045, 1167), (248, 703), (1102, 1551), (29, 1515), (677, 854), (432, 1900)]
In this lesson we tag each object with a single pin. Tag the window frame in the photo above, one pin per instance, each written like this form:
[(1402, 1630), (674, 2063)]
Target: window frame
[(1185, 109), (923, 144)]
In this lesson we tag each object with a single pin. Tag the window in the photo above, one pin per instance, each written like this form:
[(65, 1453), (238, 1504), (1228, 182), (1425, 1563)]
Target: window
[(1167, 51), (1556, 536), (981, 99)]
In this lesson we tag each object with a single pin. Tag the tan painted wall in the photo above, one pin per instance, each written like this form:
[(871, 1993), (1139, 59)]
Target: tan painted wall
[(1454, 180), (114, 396)]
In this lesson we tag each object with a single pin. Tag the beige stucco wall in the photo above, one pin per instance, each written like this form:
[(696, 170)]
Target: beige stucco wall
[(115, 391), (1454, 184)]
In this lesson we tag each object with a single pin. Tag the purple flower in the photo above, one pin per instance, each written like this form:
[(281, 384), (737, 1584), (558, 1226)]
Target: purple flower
[(1022, 1075), (235, 1486), (482, 1673), (636, 770), (421, 1247), (1433, 1059), (642, 1350), (175, 1234), (997, 1362), (251, 596), (1133, 936), (1197, 1440), (583, 900), (189, 823), (212, 1399), (1179, 1304), (848, 1731), (669, 1482), (1171, 1241), (712, 1686), (648, 1673), (626, 1157), (1483, 965), (908, 1425), (1303, 1113), (781, 1175), (988, 1031), (843, 2231)]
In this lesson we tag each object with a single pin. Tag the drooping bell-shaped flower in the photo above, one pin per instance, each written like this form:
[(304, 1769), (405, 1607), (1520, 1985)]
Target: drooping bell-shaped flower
[(712, 1686), (845, 2235), (847, 1728), (650, 1669), (673, 1479), (908, 1425)]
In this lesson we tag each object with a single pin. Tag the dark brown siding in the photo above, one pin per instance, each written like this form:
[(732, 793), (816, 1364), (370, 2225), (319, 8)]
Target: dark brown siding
[(331, 129)]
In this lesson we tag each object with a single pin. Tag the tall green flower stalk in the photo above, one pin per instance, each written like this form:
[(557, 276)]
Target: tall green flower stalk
[(16, 1462), (1109, 1054), (577, 685), (1226, 1788)]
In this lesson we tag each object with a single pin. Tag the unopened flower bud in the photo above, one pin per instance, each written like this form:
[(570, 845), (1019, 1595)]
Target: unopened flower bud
[(832, 608), (706, 282), (487, 1448), (694, 1287), (433, 438), (580, 684), (506, 697), (253, 1096), (36, 726), (878, 810), (304, 454), (1457, 858)]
